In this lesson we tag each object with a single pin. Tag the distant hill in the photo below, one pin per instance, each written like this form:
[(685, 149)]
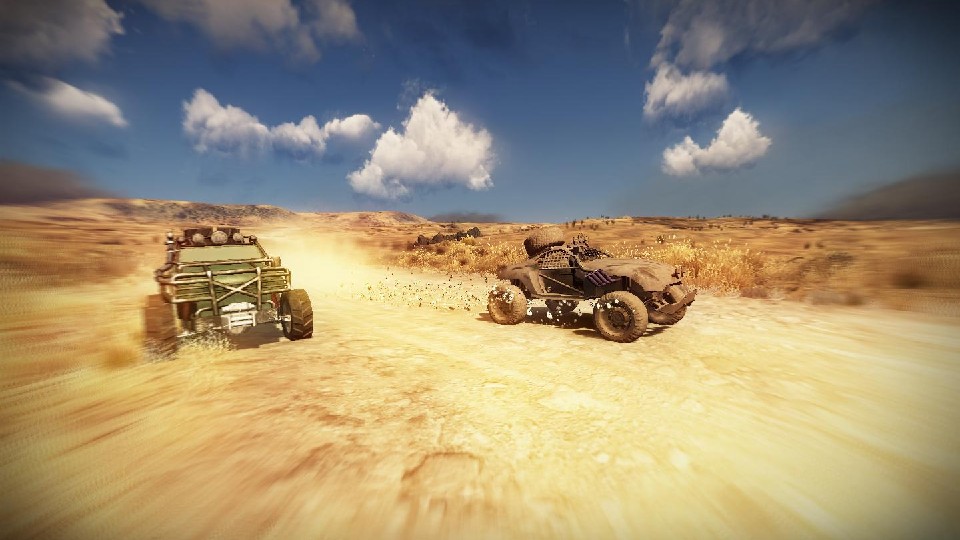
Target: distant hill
[(466, 217), (22, 183), (368, 219), (160, 211), (931, 196), (199, 212)]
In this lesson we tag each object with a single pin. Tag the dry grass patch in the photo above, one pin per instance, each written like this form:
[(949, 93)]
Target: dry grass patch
[(466, 256), (719, 266), (853, 275)]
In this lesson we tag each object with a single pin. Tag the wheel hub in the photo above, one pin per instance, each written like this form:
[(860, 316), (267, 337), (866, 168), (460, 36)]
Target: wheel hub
[(619, 317)]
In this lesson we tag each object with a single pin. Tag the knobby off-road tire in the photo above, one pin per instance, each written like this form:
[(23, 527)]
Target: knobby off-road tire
[(296, 315), (620, 316), (542, 239), (507, 304), (667, 319), (159, 325)]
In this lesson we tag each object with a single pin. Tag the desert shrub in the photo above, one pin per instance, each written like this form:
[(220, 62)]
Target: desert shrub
[(451, 256), (836, 298), (934, 268), (839, 258), (720, 266), (755, 292), (906, 279)]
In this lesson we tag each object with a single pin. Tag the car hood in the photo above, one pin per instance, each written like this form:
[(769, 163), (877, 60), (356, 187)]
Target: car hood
[(652, 275)]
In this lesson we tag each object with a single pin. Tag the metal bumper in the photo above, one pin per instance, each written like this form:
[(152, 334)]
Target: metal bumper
[(670, 309), (241, 319)]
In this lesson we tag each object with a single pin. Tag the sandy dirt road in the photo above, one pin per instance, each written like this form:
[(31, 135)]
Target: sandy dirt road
[(749, 419)]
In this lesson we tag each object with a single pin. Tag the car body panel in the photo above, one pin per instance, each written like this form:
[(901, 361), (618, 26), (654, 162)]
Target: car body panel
[(561, 273), (212, 282)]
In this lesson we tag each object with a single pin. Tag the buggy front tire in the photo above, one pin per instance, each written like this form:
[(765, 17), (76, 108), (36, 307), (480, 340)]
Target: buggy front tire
[(507, 304), (296, 315), (620, 316), (159, 325)]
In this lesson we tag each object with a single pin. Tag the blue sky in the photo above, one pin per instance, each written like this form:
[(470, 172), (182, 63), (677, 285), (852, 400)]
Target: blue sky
[(531, 110)]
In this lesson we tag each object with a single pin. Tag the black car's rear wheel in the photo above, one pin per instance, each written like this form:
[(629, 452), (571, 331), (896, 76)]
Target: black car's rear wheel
[(296, 315), (620, 316), (159, 325), (507, 304)]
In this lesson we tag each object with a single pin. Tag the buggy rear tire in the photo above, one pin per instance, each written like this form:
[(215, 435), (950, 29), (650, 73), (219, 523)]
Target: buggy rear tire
[(620, 316), (542, 239), (507, 304), (159, 325), (296, 315)]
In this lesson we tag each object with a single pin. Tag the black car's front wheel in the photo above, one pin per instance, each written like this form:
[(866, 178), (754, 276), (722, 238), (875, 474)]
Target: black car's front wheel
[(620, 316), (296, 315), (507, 304)]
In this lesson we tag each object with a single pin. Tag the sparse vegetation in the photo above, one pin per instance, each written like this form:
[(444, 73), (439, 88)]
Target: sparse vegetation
[(720, 266), (811, 272), (469, 255)]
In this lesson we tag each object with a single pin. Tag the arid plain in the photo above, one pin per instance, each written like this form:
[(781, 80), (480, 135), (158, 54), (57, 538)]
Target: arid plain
[(812, 390)]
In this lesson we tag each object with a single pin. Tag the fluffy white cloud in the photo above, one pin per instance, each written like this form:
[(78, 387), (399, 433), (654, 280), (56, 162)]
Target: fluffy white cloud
[(352, 128), (738, 143), (228, 130), (213, 127), (333, 19), (306, 138), (50, 33), (700, 34), (675, 94), (435, 148), (71, 102), (261, 24), (298, 140)]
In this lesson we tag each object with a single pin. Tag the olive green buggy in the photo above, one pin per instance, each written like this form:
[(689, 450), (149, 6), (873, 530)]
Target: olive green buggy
[(218, 278)]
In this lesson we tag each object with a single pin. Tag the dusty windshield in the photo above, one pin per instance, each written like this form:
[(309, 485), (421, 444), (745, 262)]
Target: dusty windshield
[(220, 253)]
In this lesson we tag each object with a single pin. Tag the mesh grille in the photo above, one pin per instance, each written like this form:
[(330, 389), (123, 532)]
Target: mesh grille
[(555, 259), (589, 253)]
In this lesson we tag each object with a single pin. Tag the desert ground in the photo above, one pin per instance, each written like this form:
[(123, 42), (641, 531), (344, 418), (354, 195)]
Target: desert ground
[(811, 395)]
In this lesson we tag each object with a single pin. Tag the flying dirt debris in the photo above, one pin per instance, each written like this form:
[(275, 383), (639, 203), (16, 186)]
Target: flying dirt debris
[(218, 278), (626, 294)]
